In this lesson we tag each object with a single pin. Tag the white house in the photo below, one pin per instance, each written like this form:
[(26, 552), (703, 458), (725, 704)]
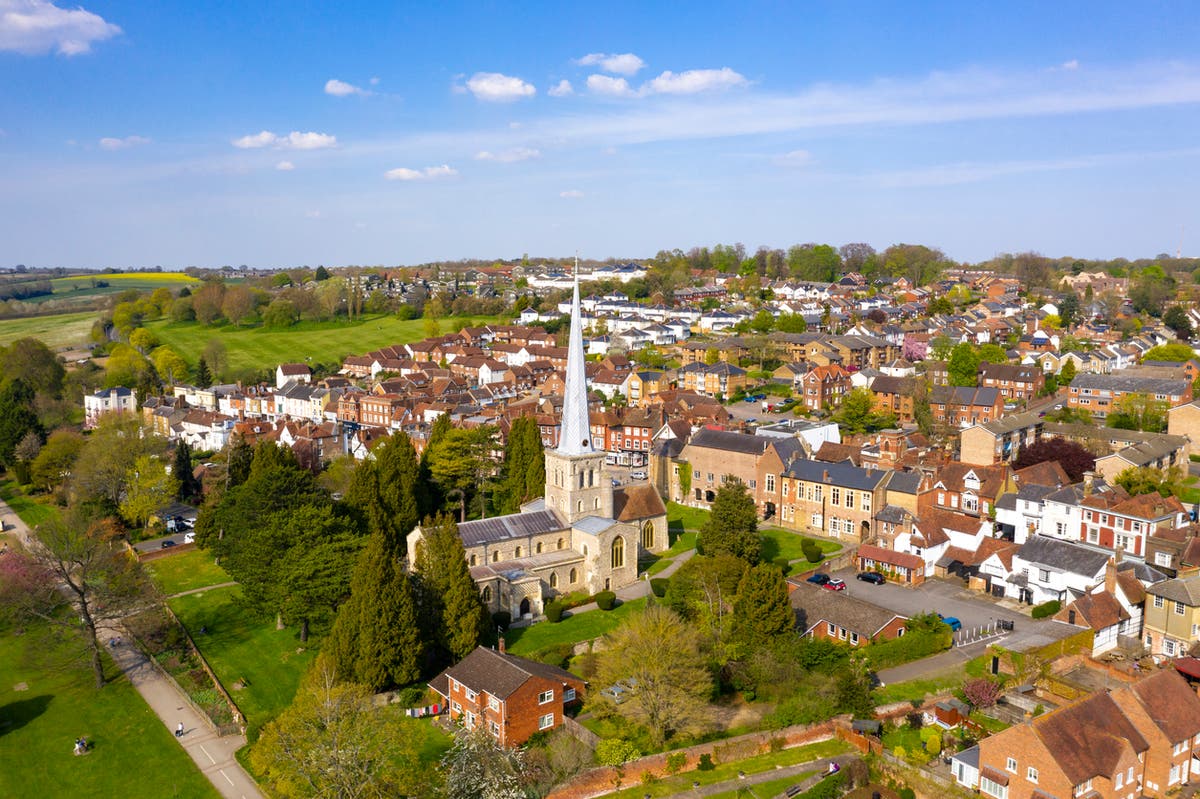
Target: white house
[(114, 400), (292, 373), (1046, 569)]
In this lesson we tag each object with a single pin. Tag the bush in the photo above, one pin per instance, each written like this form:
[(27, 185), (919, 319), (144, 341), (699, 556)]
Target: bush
[(907, 793), (812, 550), (553, 611), (659, 586), (1046, 609), (913, 646), (676, 761), (557, 655), (706, 763), (501, 619), (606, 600), (784, 565)]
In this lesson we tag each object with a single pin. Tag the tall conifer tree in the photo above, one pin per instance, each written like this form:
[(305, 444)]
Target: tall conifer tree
[(449, 597)]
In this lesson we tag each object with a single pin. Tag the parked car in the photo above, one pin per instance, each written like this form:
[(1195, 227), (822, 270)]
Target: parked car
[(189, 538), (818, 578), (874, 578), (167, 544), (750, 398), (952, 622), (638, 475), (835, 585)]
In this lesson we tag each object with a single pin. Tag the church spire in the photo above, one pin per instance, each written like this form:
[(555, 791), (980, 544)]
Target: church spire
[(575, 436)]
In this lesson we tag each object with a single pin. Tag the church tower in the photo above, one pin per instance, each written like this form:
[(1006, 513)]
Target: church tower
[(576, 482)]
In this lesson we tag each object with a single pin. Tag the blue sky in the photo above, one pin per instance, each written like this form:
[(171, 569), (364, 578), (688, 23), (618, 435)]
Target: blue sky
[(278, 134)]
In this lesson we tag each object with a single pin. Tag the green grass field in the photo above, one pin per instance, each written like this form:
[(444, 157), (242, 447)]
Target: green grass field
[(777, 543), (134, 754), (33, 511), (256, 348), (84, 288), (681, 517), (60, 330), (582, 627), (240, 648), (186, 571), (769, 788), (683, 542)]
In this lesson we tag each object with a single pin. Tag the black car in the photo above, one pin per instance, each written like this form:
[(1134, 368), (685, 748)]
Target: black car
[(167, 543), (872, 577), (819, 579)]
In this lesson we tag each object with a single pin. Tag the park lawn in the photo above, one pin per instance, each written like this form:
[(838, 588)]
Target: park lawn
[(768, 788), (186, 571), (681, 784), (259, 348), (571, 630), (242, 648), (683, 543), (777, 543), (83, 287), (681, 517), (134, 754), (32, 510), (56, 331)]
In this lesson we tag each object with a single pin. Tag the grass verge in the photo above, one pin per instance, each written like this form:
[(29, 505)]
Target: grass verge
[(134, 754), (32, 510), (571, 630), (186, 571)]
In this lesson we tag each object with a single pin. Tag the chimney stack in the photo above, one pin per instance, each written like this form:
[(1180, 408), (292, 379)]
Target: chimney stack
[(1089, 482), (1110, 573)]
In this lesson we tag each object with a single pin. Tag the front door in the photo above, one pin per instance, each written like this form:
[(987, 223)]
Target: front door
[(525, 607)]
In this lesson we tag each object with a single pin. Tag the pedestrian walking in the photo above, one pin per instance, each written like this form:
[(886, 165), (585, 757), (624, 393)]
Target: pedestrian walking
[(179, 730)]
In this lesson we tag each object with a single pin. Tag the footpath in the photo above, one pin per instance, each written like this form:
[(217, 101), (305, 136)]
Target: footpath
[(212, 753)]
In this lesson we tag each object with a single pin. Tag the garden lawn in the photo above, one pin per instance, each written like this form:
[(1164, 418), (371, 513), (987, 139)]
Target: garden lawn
[(56, 331), (777, 543), (681, 783), (911, 690), (33, 511), (134, 754), (259, 349), (242, 648), (186, 571), (769, 788), (683, 542), (681, 517), (571, 630)]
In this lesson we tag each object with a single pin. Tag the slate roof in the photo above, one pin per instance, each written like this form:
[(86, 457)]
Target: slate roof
[(505, 528), (840, 474), (1180, 589), (1063, 555), (744, 443), (1141, 385), (497, 673), (815, 605), (893, 514), (1007, 502), (905, 482)]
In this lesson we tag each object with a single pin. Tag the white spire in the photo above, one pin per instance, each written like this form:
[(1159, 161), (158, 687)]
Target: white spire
[(575, 436)]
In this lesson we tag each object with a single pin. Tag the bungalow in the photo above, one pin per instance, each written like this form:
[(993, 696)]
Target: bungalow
[(830, 614)]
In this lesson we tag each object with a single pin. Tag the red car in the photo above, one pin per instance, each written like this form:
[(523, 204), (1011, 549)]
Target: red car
[(835, 585)]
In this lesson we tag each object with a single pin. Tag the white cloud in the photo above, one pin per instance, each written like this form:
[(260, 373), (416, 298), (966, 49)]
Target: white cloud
[(110, 143), (428, 173), (496, 88), (292, 141), (339, 88), (374, 81), (562, 89), (313, 214), (613, 87), (508, 156), (285, 166), (619, 64), (694, 81), (32, 27), (571, 194), (1071, 65), (795, 158)]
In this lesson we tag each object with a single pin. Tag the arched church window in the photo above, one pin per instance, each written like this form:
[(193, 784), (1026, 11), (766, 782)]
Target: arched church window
[(538, 549), (472, 560), (573, 576), (618, 553), (518, 552), (560, 543), (553, 579), (495, 557), (487, 593), (648, 535)]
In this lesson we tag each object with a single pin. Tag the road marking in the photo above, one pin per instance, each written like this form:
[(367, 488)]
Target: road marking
[(226, 776), (206, 754)]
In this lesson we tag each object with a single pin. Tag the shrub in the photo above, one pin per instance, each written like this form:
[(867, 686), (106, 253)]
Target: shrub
[(981, 692), (706, 763), (784, 565), (606, 600), (615, 752), (659, 586), (557, 655), (899, 752), (913, 646), (907, 793), (1046, 609), (649, 778), (676, 761), (502, 619), (553, 611), (811, 550)]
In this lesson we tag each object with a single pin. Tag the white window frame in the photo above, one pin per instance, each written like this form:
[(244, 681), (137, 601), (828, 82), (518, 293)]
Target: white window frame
[(546, 722), (1159, 602), (1011, 765), (545, 697), (1031, 774)]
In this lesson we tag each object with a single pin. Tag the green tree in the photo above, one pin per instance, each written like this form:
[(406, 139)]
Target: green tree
[(791, 323), (712, 355), (55, 459), (478, 767), (732, 526), (313, 574), (30, 360), (169, 364), (1175, 352), (1147, 480), (963, 366), (524, 464), (17, 418), (857, 415), (1067, 372), (449, 597), (685, 480), (183, 471), (280, 313), (854, 689), (659, 658), (762, 322), (143, 340), (376, 638), (762, 611), (992, 353), (461, 463), (333, 743), (387, 492), (1138, 412), (203, 375), (1068, 310), (148, 489), (941, 347)]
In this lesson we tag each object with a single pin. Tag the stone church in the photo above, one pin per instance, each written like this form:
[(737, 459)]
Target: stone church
[(583, 536)]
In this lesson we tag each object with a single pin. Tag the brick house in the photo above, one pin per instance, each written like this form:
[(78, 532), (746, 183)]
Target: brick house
[(1001, 439), (511, 696), (1117, 521), (895, 395), (833, 499), (824, 387), (840, 617), (963, 488), (1137, 740), (1098, 393), (1013, 381), (1171, 623), (964, 406), (714, 456)]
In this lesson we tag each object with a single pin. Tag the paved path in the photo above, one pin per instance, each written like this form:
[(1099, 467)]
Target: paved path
[(202, 589), (637, 589), (750, 780), (213, 754)]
